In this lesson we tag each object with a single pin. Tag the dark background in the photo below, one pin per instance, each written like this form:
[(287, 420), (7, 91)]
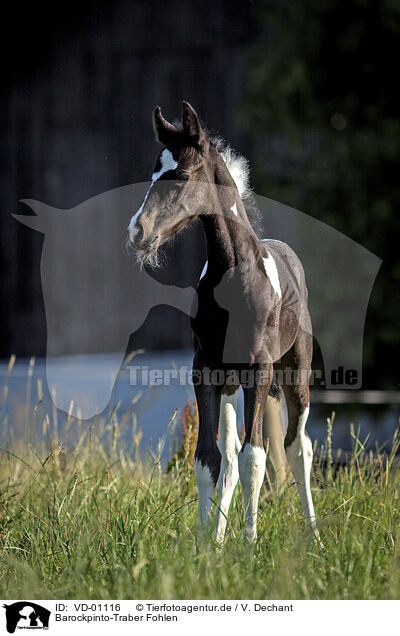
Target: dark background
[(306, 90)]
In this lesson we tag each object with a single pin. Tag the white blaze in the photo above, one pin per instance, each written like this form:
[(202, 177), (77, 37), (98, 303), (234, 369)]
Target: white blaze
[(167, 163), (203, 273)]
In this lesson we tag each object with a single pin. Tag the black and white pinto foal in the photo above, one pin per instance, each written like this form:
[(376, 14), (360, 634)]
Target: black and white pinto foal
[(252, 316)]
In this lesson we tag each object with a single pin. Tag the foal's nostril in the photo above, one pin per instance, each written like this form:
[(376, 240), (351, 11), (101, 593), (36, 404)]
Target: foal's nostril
[(138, 233), (134, 234)]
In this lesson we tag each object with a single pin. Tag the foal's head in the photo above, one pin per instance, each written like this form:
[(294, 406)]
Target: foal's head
[(183, 184)]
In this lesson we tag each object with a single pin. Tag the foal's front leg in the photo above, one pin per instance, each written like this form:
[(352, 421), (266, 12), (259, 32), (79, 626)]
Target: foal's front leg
[(229, 446), (252, 457), (207, 458)]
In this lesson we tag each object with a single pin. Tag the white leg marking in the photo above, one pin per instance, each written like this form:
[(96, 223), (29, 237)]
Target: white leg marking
[(272, 273), (229, 446), (205, 487), (299, 455), (252, 470), (167, 163), (234, 209)]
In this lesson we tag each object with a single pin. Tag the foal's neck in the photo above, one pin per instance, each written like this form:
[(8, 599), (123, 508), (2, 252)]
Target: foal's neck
[(230, 239)]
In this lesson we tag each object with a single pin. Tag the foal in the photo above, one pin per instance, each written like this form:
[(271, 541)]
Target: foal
[(252, 316)]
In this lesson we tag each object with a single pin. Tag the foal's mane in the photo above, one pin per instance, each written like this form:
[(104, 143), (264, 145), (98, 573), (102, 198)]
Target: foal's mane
[(239, 169)]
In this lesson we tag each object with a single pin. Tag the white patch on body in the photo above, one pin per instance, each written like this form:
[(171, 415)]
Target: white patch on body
[(299, 455), (167, 163), (229, 446), (251, 470), (272, 273), (234, 209), (203, 272), (205, 487)]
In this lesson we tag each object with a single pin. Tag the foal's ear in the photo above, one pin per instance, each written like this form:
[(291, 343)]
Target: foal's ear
[(165, 132), (191, 124)]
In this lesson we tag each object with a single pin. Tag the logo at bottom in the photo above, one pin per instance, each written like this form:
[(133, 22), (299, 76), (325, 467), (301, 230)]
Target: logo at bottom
[(26, 615)]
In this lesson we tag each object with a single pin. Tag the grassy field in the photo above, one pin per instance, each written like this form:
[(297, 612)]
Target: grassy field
[(90, 522)]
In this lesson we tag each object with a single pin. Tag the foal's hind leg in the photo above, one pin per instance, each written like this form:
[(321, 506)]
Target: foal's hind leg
[(298, 445), (252, 457), (229, 446)]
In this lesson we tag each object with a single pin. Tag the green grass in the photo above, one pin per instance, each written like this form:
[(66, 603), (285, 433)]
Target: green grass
[(93, 523)]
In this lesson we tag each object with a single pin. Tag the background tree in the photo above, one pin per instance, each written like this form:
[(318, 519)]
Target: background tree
[(323, 108)]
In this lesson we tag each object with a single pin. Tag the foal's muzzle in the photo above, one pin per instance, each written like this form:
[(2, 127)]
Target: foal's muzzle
[(142, 245), (135, 235)]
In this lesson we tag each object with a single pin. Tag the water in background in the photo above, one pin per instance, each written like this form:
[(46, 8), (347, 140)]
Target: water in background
[(28, 413)]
